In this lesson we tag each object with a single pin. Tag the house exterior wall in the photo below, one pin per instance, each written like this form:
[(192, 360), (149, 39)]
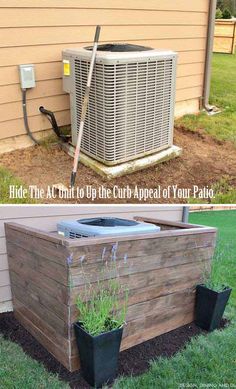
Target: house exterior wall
[(36, 31), (46, 217)]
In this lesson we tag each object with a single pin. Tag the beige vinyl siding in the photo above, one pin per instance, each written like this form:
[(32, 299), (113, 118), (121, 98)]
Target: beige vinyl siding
[(36, 31), (46, 218), (169, 5)]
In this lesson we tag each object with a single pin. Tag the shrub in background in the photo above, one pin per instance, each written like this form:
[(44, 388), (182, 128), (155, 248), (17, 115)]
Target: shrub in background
[(226, 14), (229, 4), (218, 13)]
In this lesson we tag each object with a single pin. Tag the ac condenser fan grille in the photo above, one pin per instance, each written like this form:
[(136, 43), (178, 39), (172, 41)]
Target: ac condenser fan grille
[(130, 108)]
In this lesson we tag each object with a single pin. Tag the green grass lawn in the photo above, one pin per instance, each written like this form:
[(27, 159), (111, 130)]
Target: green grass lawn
[(6, 179), (206, 360), (18, 371), (223, 95)]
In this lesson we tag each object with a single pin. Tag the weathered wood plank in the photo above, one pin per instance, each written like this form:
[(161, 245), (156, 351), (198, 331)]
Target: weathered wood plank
[(161, 278), (42, 324), (53, 288), (31, 301), (157, 325), (92, 241), (160, 304), (136, 296), (91, 272), (45, 235), (139, 248), (168, 223), (38, 263), (46, 342), (40, 294), (48, 248)]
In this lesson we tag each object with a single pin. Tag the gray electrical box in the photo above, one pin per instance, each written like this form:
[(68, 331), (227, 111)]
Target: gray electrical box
[(27, 76)]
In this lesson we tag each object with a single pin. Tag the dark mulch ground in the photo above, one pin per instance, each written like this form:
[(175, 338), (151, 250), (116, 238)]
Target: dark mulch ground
[(133, 361)]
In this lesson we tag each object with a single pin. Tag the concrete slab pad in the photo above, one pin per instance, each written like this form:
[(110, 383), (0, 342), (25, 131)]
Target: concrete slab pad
[(129, 167)]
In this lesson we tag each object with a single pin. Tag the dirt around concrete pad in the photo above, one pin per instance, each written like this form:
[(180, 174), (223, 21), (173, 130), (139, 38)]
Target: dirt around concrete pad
[(204, 162)]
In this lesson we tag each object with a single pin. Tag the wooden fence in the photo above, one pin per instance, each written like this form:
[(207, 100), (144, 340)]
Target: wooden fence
[(225, 36), (198, 208)]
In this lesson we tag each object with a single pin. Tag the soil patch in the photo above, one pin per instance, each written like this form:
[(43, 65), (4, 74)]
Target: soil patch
[(204, 162), (133, 361)]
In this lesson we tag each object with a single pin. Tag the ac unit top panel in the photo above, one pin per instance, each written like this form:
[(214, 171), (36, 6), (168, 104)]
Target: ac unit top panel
[(110, 57), (104, 226)]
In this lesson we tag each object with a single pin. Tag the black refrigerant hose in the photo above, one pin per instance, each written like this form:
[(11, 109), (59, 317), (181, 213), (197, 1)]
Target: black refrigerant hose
[(52, 119), (29, 133), (50, 116)]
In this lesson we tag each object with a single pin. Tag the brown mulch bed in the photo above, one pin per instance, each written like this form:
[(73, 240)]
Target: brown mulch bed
[(204, 162), (133, 361)]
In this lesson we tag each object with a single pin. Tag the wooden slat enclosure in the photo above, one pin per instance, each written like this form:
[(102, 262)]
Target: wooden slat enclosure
[(225, 36), (37, 31), (161, 272), (46, 218)]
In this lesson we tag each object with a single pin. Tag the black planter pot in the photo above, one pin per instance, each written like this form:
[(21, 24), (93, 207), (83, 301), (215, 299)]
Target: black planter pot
[(98, 355), (210, 306)]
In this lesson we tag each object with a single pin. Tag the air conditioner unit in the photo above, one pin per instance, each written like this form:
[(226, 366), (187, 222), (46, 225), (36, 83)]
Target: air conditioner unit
[(131, 103), (103, 226)]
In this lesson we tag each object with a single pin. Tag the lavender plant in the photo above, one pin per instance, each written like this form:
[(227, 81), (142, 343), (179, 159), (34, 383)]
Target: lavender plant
[(214, 279), (103, 304)]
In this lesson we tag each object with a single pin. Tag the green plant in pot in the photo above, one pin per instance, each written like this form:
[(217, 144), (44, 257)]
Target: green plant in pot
[(102, 312), (211, 297)]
